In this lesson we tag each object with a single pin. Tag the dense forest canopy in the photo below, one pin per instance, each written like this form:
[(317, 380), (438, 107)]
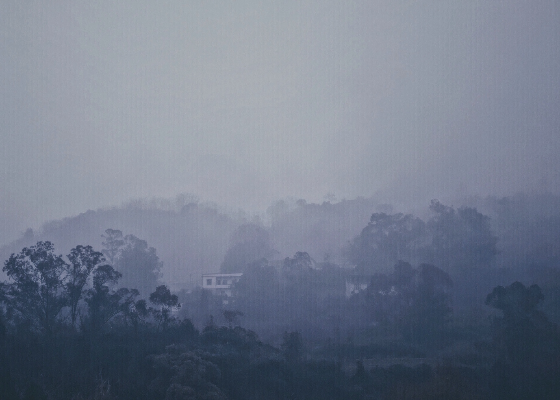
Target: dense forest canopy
[(508, 232), (403, 292)]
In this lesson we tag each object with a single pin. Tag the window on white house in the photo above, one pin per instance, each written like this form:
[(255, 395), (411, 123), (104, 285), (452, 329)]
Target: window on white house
[(209, 282)]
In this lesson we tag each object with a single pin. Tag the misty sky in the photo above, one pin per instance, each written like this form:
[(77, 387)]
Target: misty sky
[(245, 102)]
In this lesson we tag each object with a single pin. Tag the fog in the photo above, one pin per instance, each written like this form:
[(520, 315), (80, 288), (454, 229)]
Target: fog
[(345, 299), (246, 103), (275, 200)]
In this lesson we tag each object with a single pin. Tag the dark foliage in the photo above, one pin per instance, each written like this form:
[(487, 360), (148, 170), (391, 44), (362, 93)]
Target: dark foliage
[(527, 345), (73, 331), (416, 301), (35, 295), (138, 264), (166, 302), (385, 240)]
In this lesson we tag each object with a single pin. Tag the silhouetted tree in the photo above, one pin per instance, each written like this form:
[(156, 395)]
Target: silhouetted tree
[(112, 245), (461, 239), (129, 308), (166, 302), (385, 240), (36, 292), (103, 304), (298, 286), (527, 344), (139, 265), (83, 260), (416, 301), (516, 301), (301, 261), (430, 306), (522, 321)]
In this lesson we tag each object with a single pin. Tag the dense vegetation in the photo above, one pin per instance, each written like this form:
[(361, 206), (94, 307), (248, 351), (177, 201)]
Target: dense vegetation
[(422, 311)]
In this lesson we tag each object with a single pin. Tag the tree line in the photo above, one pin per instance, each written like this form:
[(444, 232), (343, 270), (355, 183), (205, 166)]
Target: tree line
[(47, 293), (101, 325)]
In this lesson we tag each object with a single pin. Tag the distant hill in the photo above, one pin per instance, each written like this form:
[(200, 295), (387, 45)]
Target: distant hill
[(189, 242), (193, 240)]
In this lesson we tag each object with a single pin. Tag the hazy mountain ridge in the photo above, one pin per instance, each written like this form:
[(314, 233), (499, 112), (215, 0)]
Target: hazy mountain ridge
[(193, 238)]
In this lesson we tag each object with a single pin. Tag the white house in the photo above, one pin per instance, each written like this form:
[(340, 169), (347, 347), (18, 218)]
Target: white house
[(220, 284), (356, 283)]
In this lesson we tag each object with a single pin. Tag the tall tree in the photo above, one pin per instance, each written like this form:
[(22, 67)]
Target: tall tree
[(527, 344), (301, 261), (461, 239), (139, 265), (83, 260), (112, 244), (298, 286), (416, 301), (36, 291), (430, 306), (130, 309), (103, 304), (166, 302), (386, 240)]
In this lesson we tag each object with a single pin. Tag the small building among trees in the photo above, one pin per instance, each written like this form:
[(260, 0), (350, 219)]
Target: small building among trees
[(356, 283), (220, 284)]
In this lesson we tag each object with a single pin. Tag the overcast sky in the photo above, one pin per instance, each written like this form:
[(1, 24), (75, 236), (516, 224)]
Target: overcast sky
[(245, 102)]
